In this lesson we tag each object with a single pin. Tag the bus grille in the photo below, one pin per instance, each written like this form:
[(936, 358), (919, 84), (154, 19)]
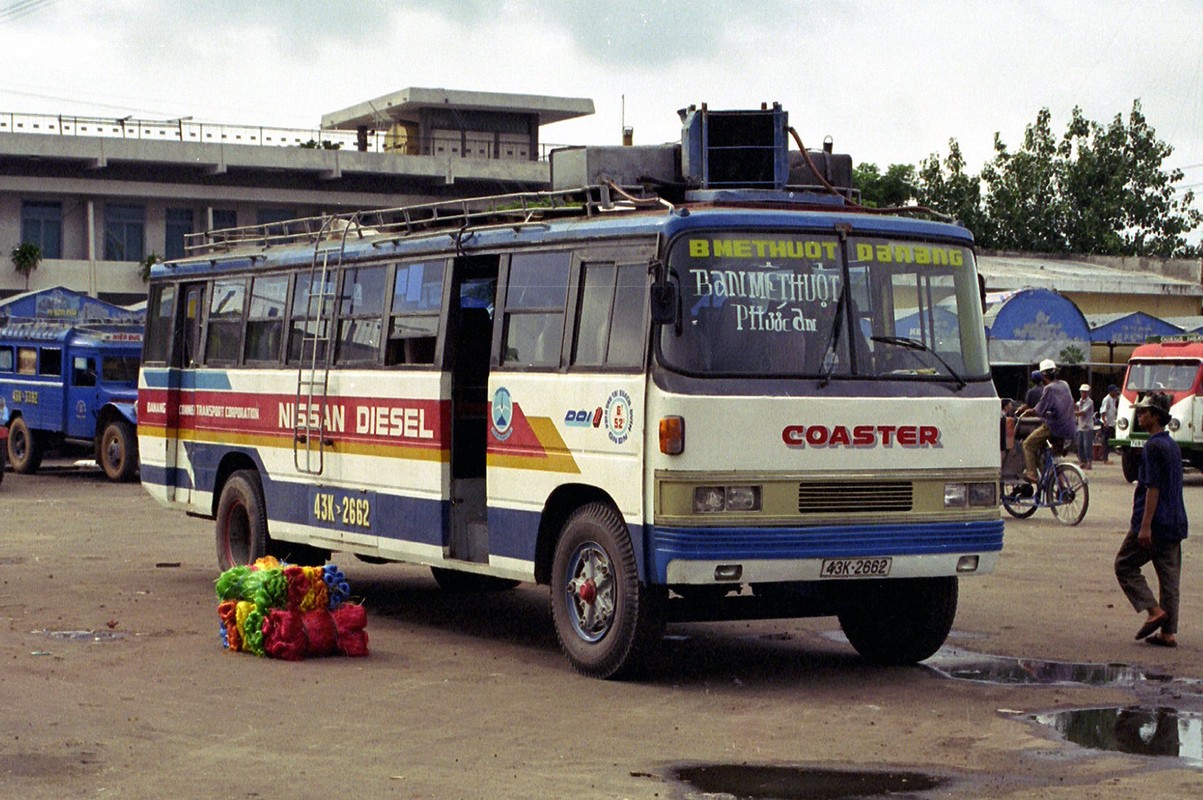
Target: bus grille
[(834, 497)]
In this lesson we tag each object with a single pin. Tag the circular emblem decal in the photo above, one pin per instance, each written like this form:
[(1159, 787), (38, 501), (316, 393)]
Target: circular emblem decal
[(619, 416), (503, 414), (81, 409)]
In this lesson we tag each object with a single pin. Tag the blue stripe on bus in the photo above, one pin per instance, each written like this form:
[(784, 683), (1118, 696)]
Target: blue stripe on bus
[(834, 541), (514, 534), (188, 379)]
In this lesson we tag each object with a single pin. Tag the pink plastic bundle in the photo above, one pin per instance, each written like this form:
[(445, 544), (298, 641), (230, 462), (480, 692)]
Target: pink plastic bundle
[(351, 622)]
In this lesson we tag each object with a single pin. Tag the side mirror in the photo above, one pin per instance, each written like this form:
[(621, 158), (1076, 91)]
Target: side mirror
[(664, 303)]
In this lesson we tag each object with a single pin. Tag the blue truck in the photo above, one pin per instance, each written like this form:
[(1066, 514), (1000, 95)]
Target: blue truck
[(69, 374)]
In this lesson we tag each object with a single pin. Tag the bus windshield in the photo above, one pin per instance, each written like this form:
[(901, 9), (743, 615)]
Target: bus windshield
[(782, 305), (1162, 376)]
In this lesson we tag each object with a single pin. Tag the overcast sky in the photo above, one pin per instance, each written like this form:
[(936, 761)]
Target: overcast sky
[(890, 82)]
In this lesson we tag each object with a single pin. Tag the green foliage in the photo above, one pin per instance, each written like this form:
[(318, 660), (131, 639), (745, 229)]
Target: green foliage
[(324, 144), (1070, 355), (145, 264), (944, 186), (895, 188), (1097, 189), (26, 257)]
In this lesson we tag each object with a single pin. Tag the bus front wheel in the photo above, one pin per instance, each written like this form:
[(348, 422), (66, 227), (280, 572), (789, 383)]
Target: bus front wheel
[(900, 621), (24, 449), (241, 521), (606, 620), (118, 451)]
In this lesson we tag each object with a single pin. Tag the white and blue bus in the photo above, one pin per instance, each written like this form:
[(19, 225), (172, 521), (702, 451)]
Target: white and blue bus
[(662, 394)]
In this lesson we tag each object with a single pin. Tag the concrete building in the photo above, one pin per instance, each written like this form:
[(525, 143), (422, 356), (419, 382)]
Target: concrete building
[(99, 196)]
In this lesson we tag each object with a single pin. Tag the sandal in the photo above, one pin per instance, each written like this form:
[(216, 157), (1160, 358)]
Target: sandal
[(1153, 625), (1160, 641)]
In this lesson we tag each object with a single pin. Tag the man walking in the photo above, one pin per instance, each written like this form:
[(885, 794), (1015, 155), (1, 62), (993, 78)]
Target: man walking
[(1084, 417), (1108, 413), (1157, 528)]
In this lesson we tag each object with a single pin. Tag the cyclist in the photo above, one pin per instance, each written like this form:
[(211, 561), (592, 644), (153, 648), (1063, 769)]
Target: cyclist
[(1056, 410)]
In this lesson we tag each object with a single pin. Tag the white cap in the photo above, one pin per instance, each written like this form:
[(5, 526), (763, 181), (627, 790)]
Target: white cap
[(1084, 387), (1048, 364)]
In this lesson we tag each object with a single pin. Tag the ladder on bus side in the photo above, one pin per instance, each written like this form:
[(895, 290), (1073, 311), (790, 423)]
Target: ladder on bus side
[(310, 440)]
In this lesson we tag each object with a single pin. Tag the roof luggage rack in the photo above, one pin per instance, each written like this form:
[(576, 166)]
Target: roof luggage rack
[(505, 209)]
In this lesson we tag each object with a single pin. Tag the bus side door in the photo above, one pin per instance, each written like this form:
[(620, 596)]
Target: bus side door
[(82, 393)]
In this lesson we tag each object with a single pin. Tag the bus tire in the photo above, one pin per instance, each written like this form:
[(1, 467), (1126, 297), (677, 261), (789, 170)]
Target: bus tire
[(241, 521), (119, 451), (1129, 459), (607, 622), (453, 580), (3, 460), (24, 447), (902, 621)]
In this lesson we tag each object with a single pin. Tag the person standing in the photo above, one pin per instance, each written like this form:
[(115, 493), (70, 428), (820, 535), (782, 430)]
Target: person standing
[(1108, 413), (1056, 411), (1084, 419), (1157, 527)]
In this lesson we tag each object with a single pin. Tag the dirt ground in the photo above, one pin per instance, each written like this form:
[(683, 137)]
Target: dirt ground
[(469, 697)]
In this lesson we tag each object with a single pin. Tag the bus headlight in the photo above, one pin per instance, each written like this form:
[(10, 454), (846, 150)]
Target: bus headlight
[(1122, 423), (716, 499), (970, 495), (1174, 425)]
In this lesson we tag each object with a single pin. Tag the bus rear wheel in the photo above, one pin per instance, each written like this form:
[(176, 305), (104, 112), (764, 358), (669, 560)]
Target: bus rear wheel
[(899, 621), (241, 521), (606, 620), (24, 449), (118, 451)]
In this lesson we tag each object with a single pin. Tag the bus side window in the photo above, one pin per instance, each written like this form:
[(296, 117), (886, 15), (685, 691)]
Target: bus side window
[(413, 325), (223, 340), (360, 305), (27, 361), (83, 371), (6, 359), (51, 362), (535, 297), (265, 318)]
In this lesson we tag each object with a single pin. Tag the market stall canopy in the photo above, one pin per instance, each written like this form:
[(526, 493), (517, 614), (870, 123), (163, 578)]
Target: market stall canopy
[(65, 305), (1130, 328), (1187, 324), (1028, 325)]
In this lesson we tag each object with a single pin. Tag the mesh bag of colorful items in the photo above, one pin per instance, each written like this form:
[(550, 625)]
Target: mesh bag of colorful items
[(286, 611)]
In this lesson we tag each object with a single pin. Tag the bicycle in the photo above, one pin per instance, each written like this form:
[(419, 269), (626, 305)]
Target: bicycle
[(1061, 488)]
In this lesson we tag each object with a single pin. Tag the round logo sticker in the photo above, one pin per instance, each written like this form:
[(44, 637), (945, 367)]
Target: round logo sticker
[(619, 416), (503, 414)]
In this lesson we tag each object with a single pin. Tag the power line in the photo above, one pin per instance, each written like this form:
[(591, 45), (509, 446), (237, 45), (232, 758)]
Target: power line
[(22, 8)]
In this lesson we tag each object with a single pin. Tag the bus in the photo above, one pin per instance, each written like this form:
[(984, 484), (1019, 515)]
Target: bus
[(677, 385), (71, 382), (1173, 365)]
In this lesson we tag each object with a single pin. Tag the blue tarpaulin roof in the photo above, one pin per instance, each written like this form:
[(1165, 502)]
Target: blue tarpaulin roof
[(65, 305), (1029, 325), (1132, 328)]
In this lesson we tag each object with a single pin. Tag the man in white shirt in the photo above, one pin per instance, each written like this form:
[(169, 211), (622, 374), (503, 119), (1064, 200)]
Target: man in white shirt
[(1108, 413)]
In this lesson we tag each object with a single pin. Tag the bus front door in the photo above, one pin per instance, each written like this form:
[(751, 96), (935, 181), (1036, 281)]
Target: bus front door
[(181, 382)]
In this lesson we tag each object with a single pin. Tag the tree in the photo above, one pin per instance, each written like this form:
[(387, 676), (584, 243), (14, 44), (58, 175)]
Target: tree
[(1098, 190), (26, 257), (946, 187), (895, 188)]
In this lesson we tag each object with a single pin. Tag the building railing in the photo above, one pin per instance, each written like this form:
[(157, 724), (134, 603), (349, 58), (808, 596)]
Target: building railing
[(185, 129)]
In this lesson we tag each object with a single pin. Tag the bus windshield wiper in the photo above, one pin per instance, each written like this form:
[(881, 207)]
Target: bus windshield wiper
[(833, 339), (915, 344)]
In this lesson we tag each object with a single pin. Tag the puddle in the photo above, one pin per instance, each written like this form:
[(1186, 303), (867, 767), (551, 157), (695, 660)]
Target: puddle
[(964, 665), (753, 782), (1135, 730), (87, 636)]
